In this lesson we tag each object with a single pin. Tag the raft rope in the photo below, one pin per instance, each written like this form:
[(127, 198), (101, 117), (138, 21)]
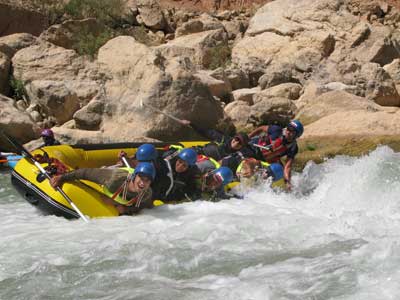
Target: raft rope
[(124, 189)]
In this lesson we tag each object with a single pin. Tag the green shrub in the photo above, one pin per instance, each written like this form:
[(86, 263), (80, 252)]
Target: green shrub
[(53, 10), (87, 43), (105, 11), (220, 56), (17, 88)]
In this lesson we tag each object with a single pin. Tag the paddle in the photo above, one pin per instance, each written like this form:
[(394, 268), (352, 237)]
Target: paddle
[(21, 150), (262, 147), (160, 111)]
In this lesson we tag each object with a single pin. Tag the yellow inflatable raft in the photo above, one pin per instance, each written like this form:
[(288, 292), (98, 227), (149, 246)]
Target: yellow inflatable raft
[(85, 194)]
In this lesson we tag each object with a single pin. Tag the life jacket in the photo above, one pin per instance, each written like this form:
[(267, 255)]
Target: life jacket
[(274, 149), (121, 199), (167, 160), (201, 157)]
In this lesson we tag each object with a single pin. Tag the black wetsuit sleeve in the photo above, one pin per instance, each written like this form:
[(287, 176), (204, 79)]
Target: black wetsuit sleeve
[(210, 134)]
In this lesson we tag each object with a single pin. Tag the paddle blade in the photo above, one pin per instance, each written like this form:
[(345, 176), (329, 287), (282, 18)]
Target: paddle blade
[(18, 147)]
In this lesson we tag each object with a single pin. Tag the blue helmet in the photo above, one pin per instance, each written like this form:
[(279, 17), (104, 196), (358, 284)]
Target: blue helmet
[(188, 155), (276, 171), (225, 174), (297, 126), (146, 152), (145, 168)]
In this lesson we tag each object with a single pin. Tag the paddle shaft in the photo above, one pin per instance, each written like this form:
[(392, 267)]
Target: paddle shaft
[(262, 147), (161, 112), (28, 155), (125, 162), (43, 171)]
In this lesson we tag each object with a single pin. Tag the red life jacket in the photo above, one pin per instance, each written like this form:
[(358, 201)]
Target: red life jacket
[(277, 148)]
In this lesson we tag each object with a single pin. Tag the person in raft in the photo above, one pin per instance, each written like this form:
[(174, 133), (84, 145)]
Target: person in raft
[(48, 138), (176, 175), (127, 189), (274, 142), (212, 179), (228, 151), (251, 171)]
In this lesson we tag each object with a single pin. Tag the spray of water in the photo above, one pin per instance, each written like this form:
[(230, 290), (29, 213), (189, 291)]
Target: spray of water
[(335, 237)]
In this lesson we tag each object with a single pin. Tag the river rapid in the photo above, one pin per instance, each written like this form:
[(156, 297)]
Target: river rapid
[(337, 236)]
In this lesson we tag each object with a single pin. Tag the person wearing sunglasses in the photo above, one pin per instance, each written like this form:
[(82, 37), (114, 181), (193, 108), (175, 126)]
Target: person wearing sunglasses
[(272, 142), (222, 146), (251, 172)]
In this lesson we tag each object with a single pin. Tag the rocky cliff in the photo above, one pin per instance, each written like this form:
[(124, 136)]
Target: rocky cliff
[(95, 77)]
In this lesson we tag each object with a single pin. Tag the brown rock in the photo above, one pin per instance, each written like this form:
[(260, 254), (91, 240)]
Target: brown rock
[(15, 123), (15, 19), (4, 73), (271, 110)]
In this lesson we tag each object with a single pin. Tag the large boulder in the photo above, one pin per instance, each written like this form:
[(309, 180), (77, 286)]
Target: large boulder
[(16, 19), (380, 47), (45, 61), (145, 83), (285, 90), (15, 123), (245, 95), (285, 32), (54, 98), (313, 106), (12, 43), (271, 110), (150, 14), (379, 86), (218, 88), (239, 112), (4, 73), (90, 116), (68, 34), (358, 122), (56, 79), (204, 49), (203, 23)]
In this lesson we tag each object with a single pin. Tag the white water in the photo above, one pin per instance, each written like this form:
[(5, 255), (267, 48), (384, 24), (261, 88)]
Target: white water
[(336, 237)]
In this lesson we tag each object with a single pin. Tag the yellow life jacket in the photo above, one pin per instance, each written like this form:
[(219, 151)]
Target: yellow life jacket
[(118, 198)]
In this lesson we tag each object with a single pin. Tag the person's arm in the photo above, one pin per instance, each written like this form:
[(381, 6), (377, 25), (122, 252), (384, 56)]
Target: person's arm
[(287, 172), (100, 176), (210, 134), (258, 131)]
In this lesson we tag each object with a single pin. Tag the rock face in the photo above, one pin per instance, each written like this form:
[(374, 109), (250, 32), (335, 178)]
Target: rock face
[(142, 75), (357, 123), (4, 73), (323, 40), (12, 43), (15, 123), (308, 59), (14, 19), (66, 34), (202, 48), (151, 14), (56, 79), (313, 107)]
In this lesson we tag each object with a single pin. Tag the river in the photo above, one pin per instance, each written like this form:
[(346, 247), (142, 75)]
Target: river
[(337, 236)]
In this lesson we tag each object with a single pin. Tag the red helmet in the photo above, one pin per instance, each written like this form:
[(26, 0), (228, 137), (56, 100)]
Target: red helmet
[(47, 133)]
